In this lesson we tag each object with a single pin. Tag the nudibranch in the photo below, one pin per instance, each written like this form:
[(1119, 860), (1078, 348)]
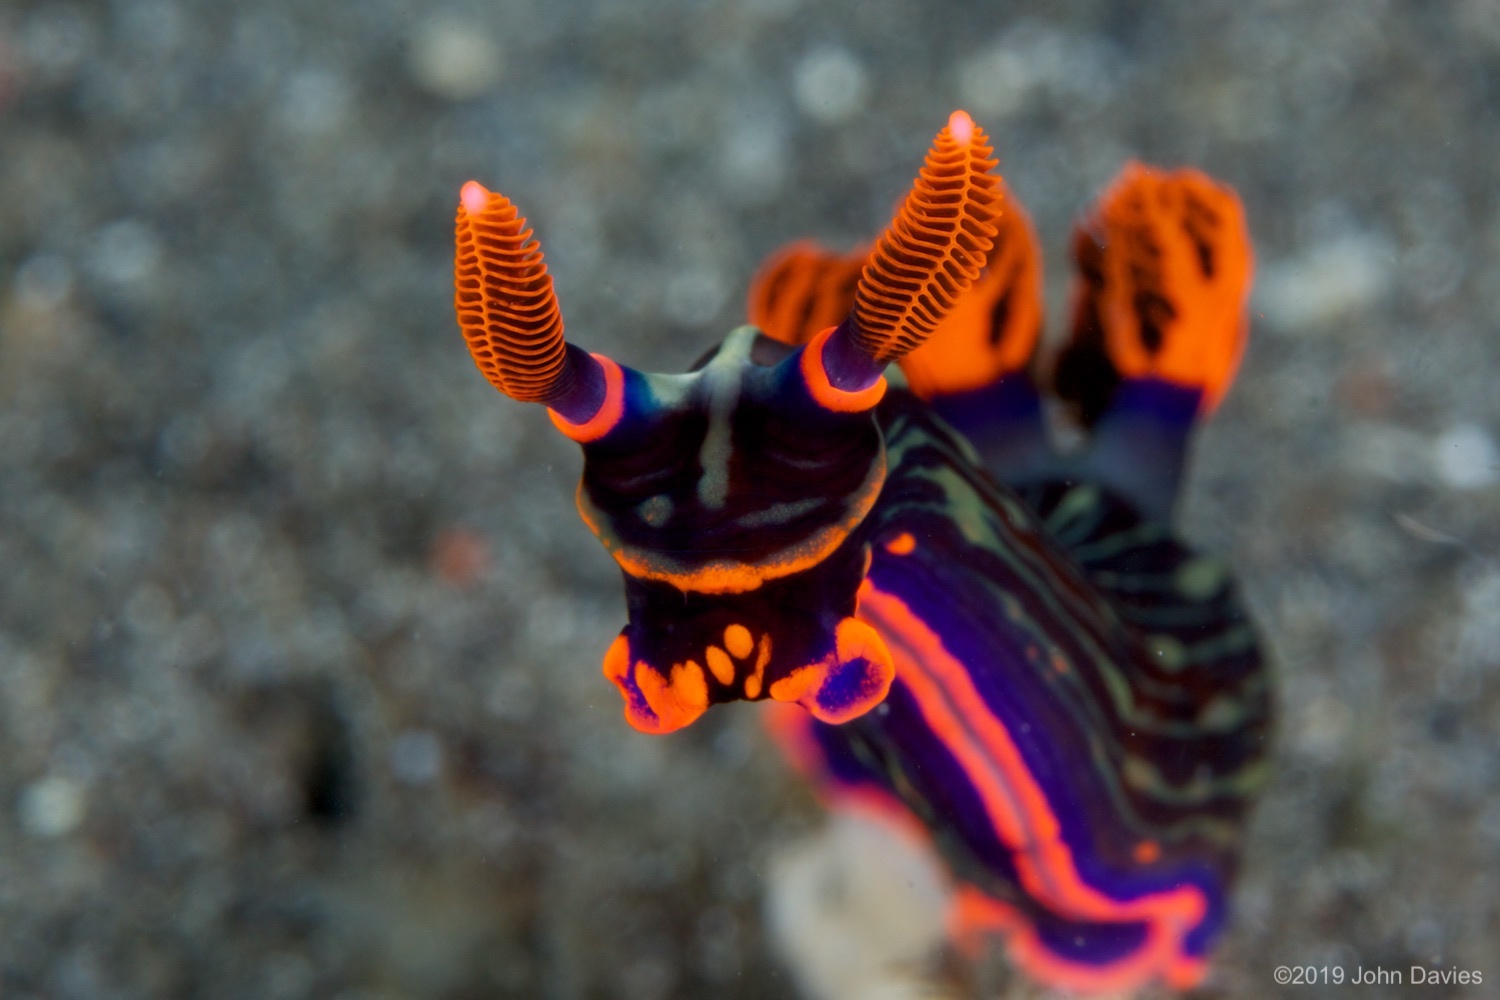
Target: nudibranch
[(853, 505)]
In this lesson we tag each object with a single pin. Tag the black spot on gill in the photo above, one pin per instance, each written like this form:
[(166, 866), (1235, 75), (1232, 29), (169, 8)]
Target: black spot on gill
[(774, 288), (841, 293), (1088, 256), (1205, 255), (1000, 312), (799, 329), (1200, 223), (1153, 312)]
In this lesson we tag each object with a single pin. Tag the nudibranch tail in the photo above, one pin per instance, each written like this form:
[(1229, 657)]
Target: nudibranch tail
[(504, 299), (935, 247)]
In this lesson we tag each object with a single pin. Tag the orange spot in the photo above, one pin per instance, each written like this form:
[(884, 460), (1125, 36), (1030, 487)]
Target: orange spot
[(824, 392), (619, 671), (460, 557), (762, 657), (933, 250), (993, 326), (902, 545), (1147, 851), (654, 704), (1173, 279), (609, 413), (720, 665), (738, 641), (503, 296), (689, 683)]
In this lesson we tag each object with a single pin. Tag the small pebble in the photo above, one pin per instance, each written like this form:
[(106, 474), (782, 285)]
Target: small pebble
[(830, 85), (453, 59), (315, 102), (416, 757), (1328, 282), (995, 81), (126, 252), (52, 807), (1465, 457), (43, 282)]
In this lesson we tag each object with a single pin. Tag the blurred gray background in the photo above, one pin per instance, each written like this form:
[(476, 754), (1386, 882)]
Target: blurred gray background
[(300, 635)]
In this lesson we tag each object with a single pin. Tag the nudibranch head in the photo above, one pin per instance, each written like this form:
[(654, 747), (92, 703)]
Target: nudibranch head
[(732, 496), (732, 499)]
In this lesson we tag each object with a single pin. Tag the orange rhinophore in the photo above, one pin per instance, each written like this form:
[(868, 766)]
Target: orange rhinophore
[(503, 294), (935, 247), (991, 330), (1165, 266)]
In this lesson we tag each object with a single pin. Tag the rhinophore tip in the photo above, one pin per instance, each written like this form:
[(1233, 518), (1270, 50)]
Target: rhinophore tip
[(474, 196), (960, 126)]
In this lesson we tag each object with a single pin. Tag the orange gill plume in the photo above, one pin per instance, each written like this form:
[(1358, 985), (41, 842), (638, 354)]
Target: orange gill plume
[(935, 247), (503, 295), (1173, 277)]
